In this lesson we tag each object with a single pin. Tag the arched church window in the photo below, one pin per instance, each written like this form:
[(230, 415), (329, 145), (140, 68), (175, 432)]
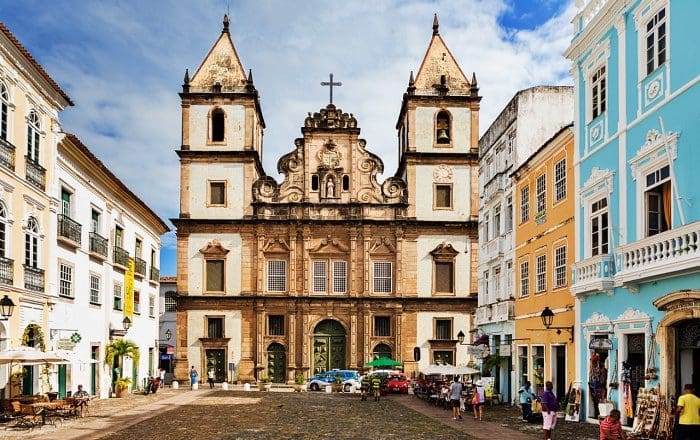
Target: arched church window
[(217, 125), (442, 128), (346, 183), (314, 182)]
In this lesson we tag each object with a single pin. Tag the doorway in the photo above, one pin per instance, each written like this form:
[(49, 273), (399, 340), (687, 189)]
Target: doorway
[(28, 381), (93, 370), (215, 361), (558, 369), (62, 381), (276, 363), (688, 362), (329, 346)]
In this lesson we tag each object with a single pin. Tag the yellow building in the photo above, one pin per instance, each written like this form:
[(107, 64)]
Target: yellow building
[(544, 249)]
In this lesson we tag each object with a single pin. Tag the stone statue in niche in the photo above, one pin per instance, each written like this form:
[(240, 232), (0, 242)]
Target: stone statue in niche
[(330, 188)]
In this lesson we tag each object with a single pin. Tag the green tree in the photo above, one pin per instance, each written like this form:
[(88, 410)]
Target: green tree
[(118, 350)]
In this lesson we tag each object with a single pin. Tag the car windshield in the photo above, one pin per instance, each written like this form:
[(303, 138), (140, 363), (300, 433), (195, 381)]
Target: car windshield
[(397, 378)]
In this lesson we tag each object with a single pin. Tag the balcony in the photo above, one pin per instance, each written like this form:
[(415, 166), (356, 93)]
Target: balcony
[(7, 154), (155, 274), (69, 230), (493, 249), (503, 311), (98, 246), (120, 257), (593, 275), (482, 315), (7, 267), (139, 267), (36, 174), (34, 278), (675, 250), (494, 186)]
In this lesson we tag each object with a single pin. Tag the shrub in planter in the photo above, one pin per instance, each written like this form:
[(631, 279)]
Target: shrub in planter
[(121, 386), (299, 381), (337, 384), (264, 384)]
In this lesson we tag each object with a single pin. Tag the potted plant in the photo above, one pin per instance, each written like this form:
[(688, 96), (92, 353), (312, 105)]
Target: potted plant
[(121, 386), (337, 385), (264, 384), (17, 380), (299, 381)]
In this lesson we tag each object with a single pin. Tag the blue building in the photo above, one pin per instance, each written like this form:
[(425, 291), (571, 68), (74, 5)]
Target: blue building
[(637, 272)]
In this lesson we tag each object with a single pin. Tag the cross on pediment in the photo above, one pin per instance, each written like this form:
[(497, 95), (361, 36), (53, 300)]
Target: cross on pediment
[(331, 84)]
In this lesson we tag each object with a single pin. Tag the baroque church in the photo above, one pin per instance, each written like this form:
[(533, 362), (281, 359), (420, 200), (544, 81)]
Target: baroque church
[(330, 267)]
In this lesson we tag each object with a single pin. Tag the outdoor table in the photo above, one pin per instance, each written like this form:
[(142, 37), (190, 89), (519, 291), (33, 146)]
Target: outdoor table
[(45, 407)]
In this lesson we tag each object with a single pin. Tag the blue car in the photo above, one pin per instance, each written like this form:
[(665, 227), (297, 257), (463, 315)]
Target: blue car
[(349, 378)]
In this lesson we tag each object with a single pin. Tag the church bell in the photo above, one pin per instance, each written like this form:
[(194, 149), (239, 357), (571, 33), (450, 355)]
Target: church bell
[(442, 136)]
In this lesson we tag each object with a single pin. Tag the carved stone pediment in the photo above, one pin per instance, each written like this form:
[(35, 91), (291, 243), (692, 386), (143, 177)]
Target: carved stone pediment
[(330, 117), (382, 246), (276, 245), (329, 245), (214, 249), (444, 252)]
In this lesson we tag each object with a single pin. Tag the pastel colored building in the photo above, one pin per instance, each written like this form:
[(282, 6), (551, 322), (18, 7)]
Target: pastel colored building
[(637, 213)]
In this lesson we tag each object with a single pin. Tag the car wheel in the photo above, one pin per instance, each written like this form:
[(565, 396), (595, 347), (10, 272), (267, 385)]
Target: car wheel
[(315, 387), (346, 388)]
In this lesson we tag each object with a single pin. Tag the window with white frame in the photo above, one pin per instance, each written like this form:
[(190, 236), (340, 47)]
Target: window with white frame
[(541, 275), (33, 130), (656, 41), (382, 277), (151, 306), (31, 243), (598, 92), (560, 180), (509, 279), (599, 227), (541, 192), (497, 282), (320, 275), (509, 214), (336, 278), (137, 302), (4, 110), (118, 303), (65, 280), (340, 276), (95, 283), (277, 275), (170, 301), (524, 204), (657, 201), (523, 363), (3, 234), (524, 278), (485, 225), (560, 266), (487, 287), (497, 220)]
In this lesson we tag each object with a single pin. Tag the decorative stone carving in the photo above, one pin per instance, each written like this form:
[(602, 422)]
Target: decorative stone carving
[(633, 315), (442, 174), (214, 248), (329, 245), (382, 246), (597, 319), (444, 252), (276, 245), (330, 117)]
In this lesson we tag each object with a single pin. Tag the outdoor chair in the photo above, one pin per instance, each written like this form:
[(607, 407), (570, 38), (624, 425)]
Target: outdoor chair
[(23, 417)]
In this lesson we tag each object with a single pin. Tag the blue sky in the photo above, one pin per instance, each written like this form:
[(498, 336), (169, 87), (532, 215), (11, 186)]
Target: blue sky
[(123, 63)]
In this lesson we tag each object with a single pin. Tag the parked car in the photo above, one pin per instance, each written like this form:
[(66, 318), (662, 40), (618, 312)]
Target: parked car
[(398, 383), (349, 378)]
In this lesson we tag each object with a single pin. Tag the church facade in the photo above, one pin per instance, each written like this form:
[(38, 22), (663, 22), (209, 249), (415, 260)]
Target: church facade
[(330, 267)]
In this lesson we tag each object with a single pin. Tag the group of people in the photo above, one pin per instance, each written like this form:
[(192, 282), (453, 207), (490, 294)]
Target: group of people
[(548, 401), (194, 377), (455, 395), (371, 384)]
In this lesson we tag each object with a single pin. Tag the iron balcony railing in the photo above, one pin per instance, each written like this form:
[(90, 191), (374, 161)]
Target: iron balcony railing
[(140, 266), (33, 278), (69, 228), (7, 154), (36, 174), (155, 274), (7, 266), (98, 244), (120, 256)]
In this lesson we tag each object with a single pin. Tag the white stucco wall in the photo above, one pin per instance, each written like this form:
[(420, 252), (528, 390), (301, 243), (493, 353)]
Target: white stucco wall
[(232, 278), (425, 180), (196, 328), (201, 174), (426, 331), (234, 126), (425, 245), (425, 129)]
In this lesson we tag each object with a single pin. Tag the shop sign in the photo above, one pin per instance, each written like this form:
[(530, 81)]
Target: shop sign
[(65, 344), (600, 344), (504, 350)]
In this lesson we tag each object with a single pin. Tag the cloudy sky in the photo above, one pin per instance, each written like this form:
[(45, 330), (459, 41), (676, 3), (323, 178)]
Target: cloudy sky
[(123, 62)]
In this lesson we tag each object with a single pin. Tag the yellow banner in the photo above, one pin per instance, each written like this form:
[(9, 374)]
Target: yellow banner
[(129, 291)]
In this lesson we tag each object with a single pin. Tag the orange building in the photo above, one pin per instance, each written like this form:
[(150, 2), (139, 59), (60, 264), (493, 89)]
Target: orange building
[(544, 250)]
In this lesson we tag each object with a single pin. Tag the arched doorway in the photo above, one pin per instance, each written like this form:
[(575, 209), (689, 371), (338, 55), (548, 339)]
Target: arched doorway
[(276, 363), (381, 351), (688, 362), (328, 346)]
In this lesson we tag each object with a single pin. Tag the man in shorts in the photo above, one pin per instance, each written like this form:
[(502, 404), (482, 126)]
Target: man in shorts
[(549, 410), (455, 394)]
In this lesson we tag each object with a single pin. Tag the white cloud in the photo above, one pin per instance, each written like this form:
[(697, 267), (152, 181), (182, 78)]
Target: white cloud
[(123, 64)]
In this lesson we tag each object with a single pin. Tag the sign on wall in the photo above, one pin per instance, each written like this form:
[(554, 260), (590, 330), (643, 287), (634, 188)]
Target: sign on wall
[(129, 290)]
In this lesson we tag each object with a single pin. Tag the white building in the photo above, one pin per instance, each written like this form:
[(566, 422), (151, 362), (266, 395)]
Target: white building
[(101, 224), (529, 119)]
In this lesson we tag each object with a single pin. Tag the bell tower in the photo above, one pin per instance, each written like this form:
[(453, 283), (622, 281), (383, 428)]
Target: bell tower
[(438, 137)]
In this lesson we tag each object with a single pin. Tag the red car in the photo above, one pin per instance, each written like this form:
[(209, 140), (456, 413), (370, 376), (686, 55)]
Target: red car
[(398, 383)]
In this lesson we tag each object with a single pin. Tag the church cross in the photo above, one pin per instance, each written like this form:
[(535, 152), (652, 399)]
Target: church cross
[(331, 84)]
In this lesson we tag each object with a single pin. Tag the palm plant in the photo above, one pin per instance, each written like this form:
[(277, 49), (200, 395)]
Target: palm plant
[(120, 349)]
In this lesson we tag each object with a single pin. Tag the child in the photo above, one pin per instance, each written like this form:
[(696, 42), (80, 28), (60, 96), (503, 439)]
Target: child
[(611, 429)]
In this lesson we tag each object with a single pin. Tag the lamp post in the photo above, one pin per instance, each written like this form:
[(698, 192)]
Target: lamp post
[(126, 323), (460, 338), (6, 308), (547, 317)]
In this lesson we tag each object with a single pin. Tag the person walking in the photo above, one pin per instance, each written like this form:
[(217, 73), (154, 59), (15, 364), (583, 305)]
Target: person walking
[(365, 386), (193, 377), (210, 378), (478, 400), (549, 410), (455, 394), (376, 387), (525, 393), (688, 413), (611, 428)]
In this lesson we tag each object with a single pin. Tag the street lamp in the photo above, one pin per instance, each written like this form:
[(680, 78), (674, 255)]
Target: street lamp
[(168, 334), (6, 308), (126, 323), (460, 338), (547, 317)]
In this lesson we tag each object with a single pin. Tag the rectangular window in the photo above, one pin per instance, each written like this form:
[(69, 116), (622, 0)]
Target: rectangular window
[(541, 192), (215, 328), (485, 224), (275, 325), (524, 204), (538, 369), (560, 266), (138, 248), (599, 227), (524, 278), (65, 202), (170, 302), (497, 220), (152, 306), (65, 280), (509, 214), (443, 329), (443, 196), (497, 282), (340, 276), (320, 274), (541, 273), (658, 201), (443, 357), (523, 363), (95, 221), (382, 277), (444, 277), (656, 41), (598, 92), (118, 304), (118, 237), (487, 286), (509, 280), (560, 180), (137, 302), (217, 193), (277, 276), (382, 326), (215, 275), (94, 289)]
